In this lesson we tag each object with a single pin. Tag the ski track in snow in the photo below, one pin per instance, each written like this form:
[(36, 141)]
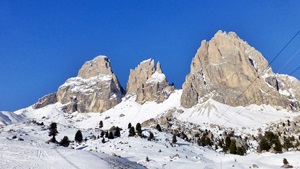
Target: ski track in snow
[(35, 155)]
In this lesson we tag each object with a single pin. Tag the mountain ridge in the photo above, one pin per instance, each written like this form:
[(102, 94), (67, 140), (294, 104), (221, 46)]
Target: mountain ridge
[(225, 68)]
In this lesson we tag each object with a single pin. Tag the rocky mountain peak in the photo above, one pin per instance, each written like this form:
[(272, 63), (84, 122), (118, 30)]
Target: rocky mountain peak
[(148, 83), (95, 89), (223, 69), (99, 65)]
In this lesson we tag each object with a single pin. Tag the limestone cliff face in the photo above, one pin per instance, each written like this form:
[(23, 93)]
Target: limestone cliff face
[(230, 71), (95, 89), (148, 83)]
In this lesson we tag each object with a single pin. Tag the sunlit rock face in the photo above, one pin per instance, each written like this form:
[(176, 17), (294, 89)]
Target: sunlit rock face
[(148, 83), (95, 89), (229, 70)]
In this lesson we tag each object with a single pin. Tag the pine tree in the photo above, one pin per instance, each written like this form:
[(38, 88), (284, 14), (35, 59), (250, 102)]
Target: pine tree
[(297, 144), (232, 148), (202, 141), (285, 161), (103, 140), (106, 134), (208, 141), (264, 145), (65, 142), (102, 133), (278, 146), (287, 143), (227, 143), (101, 124), (117, 132), (240, 151), (158, 127), (174, 140), (151, 136), (138, 129), (78, 136), (131, 132), (221, 142), (53, 132), (129, 125), (110, 135)]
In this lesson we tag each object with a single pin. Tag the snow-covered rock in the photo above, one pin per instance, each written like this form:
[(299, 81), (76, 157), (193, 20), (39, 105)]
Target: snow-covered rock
[(148, 83), (95, 89)]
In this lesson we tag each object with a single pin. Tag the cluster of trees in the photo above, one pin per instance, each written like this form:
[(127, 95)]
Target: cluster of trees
[(268, 140), (65, 141), (272, 140), (138, 131), (230, 146), (110, 134), (114, 132), (229, 143), (204, 140), (133, 132)]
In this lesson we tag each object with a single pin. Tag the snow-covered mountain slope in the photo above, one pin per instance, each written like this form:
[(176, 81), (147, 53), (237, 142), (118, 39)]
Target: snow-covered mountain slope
[(9, 118), (209, 112), (161, 152)]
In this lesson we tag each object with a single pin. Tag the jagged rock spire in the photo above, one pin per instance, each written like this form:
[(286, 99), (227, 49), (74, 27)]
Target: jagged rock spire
[(148, 83)]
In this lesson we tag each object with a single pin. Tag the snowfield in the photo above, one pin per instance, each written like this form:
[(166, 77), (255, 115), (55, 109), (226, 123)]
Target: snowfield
[(9, 118), (35, 154), (23, 139)]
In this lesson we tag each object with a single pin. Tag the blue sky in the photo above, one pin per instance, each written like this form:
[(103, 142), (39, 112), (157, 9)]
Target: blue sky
[(43, 43)]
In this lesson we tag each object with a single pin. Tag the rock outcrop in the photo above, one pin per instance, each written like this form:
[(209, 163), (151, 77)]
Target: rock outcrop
[(230, 71), (95, 89), (148, 83), (46, 100)]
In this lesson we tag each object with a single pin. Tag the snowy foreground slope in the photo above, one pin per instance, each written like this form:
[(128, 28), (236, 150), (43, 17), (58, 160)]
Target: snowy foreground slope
[(37, 154), (131, 152)]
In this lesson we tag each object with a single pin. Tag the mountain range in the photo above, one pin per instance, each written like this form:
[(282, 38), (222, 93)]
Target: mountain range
[(230, 103), (225, 69)]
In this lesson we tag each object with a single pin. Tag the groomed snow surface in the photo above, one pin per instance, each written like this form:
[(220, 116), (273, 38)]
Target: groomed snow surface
[(33, 152)]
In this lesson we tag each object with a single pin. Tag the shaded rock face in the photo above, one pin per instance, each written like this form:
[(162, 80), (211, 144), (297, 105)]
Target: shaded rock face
[(148, 83), (289, 87), (95, 89), (46, 100), (230, 71)]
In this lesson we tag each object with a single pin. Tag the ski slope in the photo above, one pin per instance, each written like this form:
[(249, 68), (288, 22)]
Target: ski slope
[(34, 154)]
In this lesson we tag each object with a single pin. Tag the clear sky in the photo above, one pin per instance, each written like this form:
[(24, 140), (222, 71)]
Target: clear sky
[(45, 42)]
